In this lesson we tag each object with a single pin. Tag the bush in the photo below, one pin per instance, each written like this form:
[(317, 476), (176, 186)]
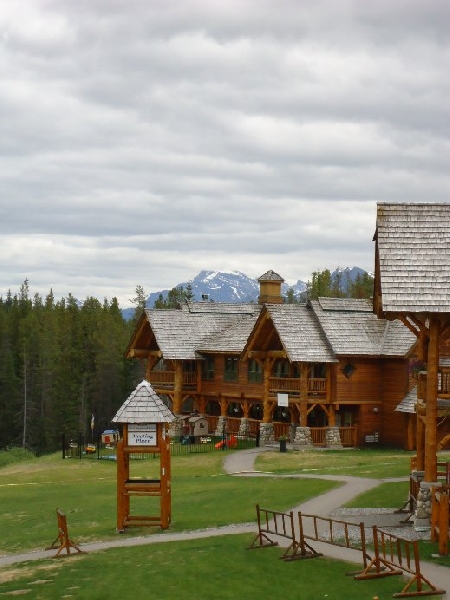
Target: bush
[(14, 455)]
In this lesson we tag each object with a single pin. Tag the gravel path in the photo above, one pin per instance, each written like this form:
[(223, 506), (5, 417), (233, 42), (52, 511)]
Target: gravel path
[(241, 464)]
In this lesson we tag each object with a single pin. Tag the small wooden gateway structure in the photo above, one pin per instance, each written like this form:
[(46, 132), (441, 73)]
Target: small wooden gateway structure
[(144, 418)]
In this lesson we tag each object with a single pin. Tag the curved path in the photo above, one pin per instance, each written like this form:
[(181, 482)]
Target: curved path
[(242, 464)]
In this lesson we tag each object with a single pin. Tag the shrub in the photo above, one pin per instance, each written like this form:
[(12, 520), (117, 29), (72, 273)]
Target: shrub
[(13, 455)]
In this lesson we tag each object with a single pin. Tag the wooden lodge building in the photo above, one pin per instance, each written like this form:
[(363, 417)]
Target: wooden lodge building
[(325, 373)]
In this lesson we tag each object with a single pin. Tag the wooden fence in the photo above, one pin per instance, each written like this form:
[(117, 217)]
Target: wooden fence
[(391, 555), (396, 556), (440, 518)]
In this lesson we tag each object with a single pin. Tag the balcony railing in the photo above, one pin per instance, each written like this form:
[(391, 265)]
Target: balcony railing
[(167, 378), (443, 383), (284, 384), (316, 386)]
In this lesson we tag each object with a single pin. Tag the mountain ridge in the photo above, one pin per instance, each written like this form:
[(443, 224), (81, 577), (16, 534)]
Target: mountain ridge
[(236, 287)]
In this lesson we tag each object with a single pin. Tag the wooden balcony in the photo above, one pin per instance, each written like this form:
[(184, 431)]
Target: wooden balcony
[(443, 383), (316, 386), (166, 379), (284, 384)]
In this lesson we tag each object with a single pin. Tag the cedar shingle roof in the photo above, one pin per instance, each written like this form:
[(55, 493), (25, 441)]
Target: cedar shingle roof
[(300, 334), (414, 256), (143, 406), (352, 329), (181, 334), (270, 276)]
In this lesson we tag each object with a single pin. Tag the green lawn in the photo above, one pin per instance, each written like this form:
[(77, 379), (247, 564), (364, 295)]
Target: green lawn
[(374, 464), (216, 568), (202, 496)]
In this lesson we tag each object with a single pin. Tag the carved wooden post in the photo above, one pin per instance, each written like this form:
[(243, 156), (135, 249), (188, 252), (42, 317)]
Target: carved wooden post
[(177, 387), (431, 400), (304, 394)]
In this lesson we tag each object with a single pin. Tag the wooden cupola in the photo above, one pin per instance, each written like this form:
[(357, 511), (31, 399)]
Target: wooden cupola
[(270, 288)]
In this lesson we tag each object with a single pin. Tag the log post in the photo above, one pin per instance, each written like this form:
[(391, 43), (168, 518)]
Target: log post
[(431, 400)]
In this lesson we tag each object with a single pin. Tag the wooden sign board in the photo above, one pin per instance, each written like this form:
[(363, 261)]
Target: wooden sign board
[(142, 434)]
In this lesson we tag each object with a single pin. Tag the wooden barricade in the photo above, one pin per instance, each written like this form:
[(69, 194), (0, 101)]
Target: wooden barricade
[(440, 518), (396, 556), (272, 523), (335, 532), (65, 543), (392, 555)]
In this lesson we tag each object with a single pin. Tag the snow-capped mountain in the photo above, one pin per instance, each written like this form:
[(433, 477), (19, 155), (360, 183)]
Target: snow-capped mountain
[(235, 286), (219, 286)]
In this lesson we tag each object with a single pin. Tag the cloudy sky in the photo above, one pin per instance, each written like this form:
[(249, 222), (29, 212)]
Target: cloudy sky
[(142, 141)]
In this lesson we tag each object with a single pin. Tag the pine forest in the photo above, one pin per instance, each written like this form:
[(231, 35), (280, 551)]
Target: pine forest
[(61, 363)]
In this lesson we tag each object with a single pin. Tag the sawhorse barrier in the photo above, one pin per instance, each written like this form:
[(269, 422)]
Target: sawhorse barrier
[(334, 532), (440, 518), (396, 556), (391, 555), (272, 523), (65, 543)]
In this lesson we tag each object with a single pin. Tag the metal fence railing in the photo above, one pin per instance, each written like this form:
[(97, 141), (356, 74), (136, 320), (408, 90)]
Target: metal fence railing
[(79, 446)]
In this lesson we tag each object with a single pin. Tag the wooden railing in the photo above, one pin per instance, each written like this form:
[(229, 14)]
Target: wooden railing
[(443, 383), (348, 436), (167, 378), (162, 377), (284, 384), (318, 435), (315, 385)]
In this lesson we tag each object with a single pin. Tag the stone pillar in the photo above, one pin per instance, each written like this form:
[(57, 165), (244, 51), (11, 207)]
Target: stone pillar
[(333, 438), (291, 433), (422, 518), (221, 426), (266, 434), (303, 439), (244, 427)]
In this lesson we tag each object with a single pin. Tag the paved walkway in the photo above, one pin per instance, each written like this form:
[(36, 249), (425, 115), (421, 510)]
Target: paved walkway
[(242, 464)]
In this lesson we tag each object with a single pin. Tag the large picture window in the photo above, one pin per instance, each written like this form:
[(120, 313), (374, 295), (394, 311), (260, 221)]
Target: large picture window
[(231, 368)]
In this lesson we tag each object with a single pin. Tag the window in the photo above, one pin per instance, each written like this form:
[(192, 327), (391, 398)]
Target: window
[(318, 371), (348, 370), (189, 366), (231, 368), (281, 368), (208, 368), (254, 371)]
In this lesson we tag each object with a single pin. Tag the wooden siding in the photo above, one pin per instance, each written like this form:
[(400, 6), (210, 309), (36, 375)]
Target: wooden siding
[(395, 388), (364, 383)]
